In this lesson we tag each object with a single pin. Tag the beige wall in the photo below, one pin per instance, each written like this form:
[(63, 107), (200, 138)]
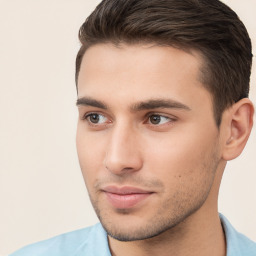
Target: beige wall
[(41, 189)]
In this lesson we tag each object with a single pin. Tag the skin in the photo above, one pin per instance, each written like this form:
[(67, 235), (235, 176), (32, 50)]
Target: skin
[(148, 123)]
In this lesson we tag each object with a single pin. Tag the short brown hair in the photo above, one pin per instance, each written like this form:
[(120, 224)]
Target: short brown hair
[(208, 26)]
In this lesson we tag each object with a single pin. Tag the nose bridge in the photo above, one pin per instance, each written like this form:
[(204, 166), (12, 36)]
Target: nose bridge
[(122, 153)]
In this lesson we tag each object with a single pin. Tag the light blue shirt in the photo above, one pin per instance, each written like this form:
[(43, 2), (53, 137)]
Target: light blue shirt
[(92, 241)]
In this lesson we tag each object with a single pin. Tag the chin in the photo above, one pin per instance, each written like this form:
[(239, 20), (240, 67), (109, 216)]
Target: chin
[(130, 228)]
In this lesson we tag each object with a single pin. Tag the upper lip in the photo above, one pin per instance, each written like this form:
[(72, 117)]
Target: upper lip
[(126, 190)]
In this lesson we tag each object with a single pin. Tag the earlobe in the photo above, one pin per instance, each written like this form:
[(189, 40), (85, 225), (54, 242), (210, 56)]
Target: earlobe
[(238, 122)]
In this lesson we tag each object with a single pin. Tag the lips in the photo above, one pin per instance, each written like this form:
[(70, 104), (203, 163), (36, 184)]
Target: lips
[(125, 197)]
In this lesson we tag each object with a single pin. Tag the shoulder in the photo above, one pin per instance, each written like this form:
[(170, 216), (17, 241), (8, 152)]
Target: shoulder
[(77, 242), (237, 243)]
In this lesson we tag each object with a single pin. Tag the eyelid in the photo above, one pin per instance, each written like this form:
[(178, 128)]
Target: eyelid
[(87, 115), (171, 117)]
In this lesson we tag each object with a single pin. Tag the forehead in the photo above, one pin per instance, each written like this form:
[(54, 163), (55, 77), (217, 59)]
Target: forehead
[(139, 72), (140, 57)]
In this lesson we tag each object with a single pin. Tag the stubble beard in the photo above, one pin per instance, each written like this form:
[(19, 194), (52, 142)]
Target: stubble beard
[(154, 227), (182, 205)]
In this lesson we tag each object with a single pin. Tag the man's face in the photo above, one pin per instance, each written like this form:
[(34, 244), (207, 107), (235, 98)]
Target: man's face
[(147, 141)]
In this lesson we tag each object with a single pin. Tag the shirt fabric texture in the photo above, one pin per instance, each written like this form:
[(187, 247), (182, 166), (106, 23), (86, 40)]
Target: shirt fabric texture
[(93, 241)]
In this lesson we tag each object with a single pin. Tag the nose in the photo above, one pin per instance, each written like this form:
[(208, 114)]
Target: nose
[(123, 154)]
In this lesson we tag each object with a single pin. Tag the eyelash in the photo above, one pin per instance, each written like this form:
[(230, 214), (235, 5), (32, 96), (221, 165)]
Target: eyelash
[(88, 115), (148, 116)]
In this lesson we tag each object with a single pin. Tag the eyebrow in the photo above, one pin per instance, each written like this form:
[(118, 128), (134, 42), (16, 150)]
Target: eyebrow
[(86, 101), (143, 105), (159, 103)]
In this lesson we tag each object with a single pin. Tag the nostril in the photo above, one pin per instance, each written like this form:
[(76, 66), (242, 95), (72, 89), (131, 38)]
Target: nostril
[(122, 154), (122, 167)]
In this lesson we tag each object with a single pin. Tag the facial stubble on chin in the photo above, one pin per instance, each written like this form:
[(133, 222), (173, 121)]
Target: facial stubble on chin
[(185, 204), (153, 228)]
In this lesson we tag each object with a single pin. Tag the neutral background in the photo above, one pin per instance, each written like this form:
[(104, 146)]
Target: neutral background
[(42, 193)]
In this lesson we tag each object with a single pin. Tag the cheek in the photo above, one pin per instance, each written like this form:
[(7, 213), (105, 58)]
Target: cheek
[(90, 150), (182, 154), (186, 168)]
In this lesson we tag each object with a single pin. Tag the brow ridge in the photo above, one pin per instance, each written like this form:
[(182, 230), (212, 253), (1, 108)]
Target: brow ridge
[(139, 106), (88, 101), (159, 103)]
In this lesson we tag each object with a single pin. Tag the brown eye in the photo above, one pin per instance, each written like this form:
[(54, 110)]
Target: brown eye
[(94, 118), (159, 119), (155, 119)]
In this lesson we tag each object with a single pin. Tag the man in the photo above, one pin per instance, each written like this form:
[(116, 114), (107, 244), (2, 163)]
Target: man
[(163, 105)]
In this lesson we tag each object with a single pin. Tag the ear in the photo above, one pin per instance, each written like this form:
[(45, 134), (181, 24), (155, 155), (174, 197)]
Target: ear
[(237, 125)]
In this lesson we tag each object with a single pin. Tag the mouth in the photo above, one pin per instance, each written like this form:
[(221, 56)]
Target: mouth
[(125, 197)]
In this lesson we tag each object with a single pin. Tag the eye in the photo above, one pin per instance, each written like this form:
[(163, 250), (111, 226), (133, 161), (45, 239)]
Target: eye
[(95, 118), (158, 119)]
